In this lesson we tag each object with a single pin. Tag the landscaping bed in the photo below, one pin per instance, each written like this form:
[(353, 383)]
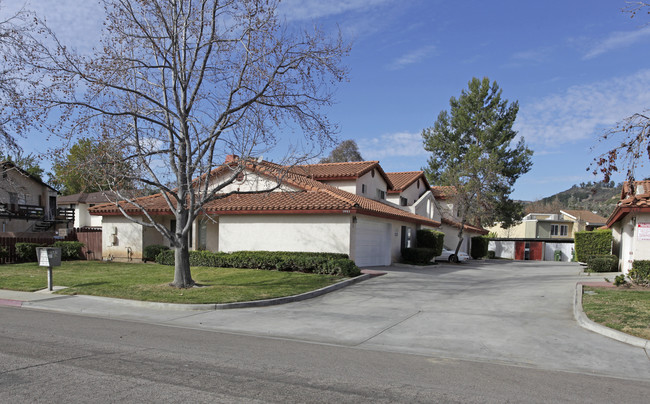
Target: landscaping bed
[(150, 282), (625, 309)]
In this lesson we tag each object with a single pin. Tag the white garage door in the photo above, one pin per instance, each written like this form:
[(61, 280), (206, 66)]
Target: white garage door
[(372, 243)]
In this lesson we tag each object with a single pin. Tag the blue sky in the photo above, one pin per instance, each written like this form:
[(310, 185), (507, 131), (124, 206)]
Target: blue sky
[(576, 67)]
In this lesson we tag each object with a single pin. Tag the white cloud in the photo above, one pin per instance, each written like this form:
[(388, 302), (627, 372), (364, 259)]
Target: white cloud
[(403, 144), (411, 57), (297, 10), (583, 111), (531, 56), (616, 40)]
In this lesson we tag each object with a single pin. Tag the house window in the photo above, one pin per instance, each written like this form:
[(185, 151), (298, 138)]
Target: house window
[(381, 194), (363, 188), (554, 229), (372, 174), (564, 230), (403, 201), (418, 184)]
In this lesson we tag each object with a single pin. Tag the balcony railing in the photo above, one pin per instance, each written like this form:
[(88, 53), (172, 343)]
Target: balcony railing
[(33, 212)]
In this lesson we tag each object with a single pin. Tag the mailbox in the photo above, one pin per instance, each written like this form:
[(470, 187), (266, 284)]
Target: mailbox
[(48, 256)]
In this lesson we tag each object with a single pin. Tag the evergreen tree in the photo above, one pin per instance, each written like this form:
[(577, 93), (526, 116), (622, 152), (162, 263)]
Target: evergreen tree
[(472, 150)]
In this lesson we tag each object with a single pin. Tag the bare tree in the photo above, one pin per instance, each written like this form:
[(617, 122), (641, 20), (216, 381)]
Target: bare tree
[(180, 84), (630, 136), (12, 112)]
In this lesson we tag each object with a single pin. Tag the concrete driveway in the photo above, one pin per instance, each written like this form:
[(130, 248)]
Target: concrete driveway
[(517, 313)]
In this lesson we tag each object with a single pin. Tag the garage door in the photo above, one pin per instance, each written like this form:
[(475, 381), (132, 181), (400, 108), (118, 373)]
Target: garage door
[(372, 243)]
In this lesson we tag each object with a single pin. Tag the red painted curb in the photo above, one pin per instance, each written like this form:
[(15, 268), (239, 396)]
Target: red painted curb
[(9, 302)]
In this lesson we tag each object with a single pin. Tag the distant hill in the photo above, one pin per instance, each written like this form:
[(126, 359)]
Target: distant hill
[(596, 197)]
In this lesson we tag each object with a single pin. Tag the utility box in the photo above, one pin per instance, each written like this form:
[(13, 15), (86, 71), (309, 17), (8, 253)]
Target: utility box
[(48, 256)]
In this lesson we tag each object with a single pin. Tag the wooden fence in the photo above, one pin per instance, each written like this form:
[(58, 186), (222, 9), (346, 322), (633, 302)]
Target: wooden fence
[(92, 239)]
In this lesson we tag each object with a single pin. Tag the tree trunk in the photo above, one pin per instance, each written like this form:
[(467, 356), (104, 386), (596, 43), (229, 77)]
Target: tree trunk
[(182, 274)]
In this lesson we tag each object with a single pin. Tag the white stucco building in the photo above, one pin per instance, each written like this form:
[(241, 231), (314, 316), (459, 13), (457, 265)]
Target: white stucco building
[(353, 208), (630, 224)]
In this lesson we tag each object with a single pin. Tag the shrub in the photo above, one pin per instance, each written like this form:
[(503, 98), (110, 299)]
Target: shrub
[(4, 252), (430, 239), (26, 252), (418, 255), (640, 272), (479, 248), (602, 263), (620, 280), (70, 250), (150, 252), (491, 254), (597, 242), (320, 263)]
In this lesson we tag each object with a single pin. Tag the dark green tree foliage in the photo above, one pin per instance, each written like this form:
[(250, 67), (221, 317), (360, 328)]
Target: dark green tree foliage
[(345, 151), (430, 239), (588, 243), (474, 148), (479, 248)]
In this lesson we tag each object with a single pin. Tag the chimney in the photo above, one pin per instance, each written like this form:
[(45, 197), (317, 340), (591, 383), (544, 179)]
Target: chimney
[(231, 158)]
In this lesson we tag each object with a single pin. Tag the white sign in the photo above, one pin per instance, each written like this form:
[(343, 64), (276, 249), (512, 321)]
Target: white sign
[(43, 259), (643, 231)]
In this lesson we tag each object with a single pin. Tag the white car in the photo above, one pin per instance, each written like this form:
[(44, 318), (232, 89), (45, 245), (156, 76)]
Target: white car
[(448, 255)]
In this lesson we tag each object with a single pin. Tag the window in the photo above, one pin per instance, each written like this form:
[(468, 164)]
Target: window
[(363, 188), (554, 228), (381, 194), (403, 201), (564, 230)]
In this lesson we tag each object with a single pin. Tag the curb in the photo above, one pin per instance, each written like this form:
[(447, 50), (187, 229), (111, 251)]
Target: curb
[(235, 305), (585, 322)]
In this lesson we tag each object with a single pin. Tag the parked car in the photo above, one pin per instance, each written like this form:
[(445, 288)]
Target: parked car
[(448, 255)]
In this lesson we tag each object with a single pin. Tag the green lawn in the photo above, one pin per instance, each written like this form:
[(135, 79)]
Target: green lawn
[(621, 309), (150, 282)]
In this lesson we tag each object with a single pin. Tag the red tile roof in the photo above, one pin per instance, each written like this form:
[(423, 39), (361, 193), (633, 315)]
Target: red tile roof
[(467, 227), (315, 197), (633, 198), (443, 192), (351, 169), (403, 180)]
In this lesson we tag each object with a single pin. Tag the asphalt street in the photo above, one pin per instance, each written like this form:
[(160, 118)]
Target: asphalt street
[(475, 327)]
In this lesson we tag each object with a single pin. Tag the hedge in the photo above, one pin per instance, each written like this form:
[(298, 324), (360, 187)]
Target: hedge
[(70, 250), (479, 247), (640, 272), (150, 252), (418, 255), (318, 263), (588, 243), (430, 239), (602, 263), (26, 252)]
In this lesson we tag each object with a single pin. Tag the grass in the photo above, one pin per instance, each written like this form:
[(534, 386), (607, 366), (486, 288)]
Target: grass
[(150, 282), (621, 309)]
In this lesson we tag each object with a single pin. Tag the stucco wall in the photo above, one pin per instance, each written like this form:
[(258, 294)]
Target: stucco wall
[(346, 185), (129, 235), (566, 250), (316, 233), (27, 190), (502, 249), (372, 184), (451, 238), (250, 182), (628, 235)]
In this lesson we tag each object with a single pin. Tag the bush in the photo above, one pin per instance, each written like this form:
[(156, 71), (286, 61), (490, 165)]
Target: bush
[(597, 242), (479, 248), (491, 254), (430, 239), (620, 280), (640, 272), (70, 250), (26, 252), (418, 255), (320, 263), (150, 252), (4, 252), (602, 263)]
